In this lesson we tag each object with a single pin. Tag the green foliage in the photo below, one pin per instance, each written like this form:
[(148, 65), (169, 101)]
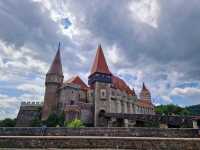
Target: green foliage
[(76, 123), (61, 119), (55, 120), (8, 122), (36, 122), (195, 109), (172, 109)]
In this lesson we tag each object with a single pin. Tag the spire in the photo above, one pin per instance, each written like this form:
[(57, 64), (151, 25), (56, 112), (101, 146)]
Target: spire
[(133, 91), (100, 64), (144, 87), (56, 66), (145, 94)]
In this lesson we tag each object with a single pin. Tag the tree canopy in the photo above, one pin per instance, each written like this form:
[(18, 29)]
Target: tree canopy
[(172, 109), (55, 120), (8, 122)]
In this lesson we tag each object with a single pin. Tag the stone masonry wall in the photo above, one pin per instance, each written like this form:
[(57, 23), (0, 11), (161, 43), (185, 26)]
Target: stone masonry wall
[(133, 143), (27, 114), (115, 132)]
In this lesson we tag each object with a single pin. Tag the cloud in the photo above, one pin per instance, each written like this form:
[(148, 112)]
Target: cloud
[(9, 105), (188, 91), (147, 40), (187, 95), (30, 88), (146, 11)]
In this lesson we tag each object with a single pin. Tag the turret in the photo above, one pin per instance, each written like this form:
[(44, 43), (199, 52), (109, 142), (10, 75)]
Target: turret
[(54, 79)]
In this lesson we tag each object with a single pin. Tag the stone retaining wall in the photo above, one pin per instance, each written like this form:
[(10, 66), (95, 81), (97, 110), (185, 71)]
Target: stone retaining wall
[(134, 143), (115, 132)]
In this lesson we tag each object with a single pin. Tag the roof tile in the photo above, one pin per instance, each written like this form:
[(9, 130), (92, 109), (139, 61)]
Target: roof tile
[(100, 64), (56, 66), (77, 80)]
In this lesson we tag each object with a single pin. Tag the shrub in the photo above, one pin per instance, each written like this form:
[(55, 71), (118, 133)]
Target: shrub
[(76, 123), (55, 120), (36, 122)]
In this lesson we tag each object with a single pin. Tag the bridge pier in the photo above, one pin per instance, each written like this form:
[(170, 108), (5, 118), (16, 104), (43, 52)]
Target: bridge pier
[(125, 122), (195, 125), (163, 125), (111, 122)]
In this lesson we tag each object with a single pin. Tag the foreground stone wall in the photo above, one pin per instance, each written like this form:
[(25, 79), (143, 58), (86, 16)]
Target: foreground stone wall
[(115, 132), (134, 143)]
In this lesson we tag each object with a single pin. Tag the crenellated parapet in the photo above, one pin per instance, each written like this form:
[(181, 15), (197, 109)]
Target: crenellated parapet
[(30, 103)]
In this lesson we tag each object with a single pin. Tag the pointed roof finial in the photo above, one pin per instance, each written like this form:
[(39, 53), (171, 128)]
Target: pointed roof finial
[(143, 86), (56, 66), (100, 64), (59, 46), (99, 46), (133, 91)]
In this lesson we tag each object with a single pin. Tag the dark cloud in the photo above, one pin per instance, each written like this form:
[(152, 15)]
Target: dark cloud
[(27, 23), (164, 55), (174, 42)]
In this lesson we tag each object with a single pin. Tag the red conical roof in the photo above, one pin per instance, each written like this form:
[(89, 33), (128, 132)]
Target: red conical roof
[(77, 80), (100, 64), (56, 66)]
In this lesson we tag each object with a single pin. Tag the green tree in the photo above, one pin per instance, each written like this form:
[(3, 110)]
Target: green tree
[(185, 112), (172, 109), (76, 123), (36, 122), (8, 122), (194, 110), (61, 119), (55, 120)]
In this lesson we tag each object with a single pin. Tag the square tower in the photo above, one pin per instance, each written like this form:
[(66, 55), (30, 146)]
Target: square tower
[(100, 81)]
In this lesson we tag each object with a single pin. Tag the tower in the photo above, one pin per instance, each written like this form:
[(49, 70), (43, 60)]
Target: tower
[(100, 81), (54, 79), (145, 94)]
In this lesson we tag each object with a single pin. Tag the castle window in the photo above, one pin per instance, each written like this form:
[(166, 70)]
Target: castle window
[(103, 94)]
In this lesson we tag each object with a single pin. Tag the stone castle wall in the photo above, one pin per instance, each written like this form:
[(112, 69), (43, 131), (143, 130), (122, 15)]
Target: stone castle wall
[(134, 143), (115, 132), (28, 112)]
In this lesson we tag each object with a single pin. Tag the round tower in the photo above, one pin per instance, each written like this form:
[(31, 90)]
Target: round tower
[(54, 79)]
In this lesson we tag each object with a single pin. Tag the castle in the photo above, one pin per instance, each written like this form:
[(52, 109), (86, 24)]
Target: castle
[(105, 93)]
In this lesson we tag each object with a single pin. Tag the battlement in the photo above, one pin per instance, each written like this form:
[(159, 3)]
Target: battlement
[(28, 103)]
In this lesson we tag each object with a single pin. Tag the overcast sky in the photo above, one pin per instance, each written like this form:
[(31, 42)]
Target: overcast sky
[(155, 41)]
